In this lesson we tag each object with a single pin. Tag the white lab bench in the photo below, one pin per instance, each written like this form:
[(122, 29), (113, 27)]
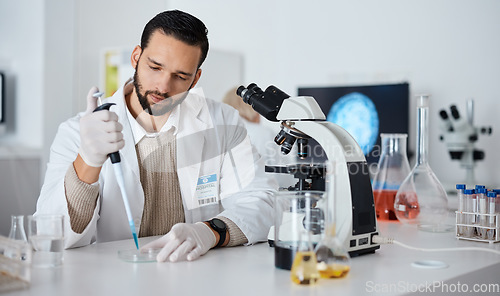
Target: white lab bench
[(97, 270)]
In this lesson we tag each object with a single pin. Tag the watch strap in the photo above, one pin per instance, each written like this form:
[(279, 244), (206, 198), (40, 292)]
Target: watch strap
[(220, 230)]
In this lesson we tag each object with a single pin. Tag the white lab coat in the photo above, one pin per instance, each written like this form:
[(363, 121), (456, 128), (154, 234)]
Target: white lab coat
[(211, 140)]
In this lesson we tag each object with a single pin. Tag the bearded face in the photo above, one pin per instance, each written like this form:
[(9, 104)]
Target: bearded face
[(161, 103), (165, 70)]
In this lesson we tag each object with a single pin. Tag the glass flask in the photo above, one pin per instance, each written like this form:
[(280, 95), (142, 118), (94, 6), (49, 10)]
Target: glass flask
[(421, 199), (304, 267), (393, 167), (332, 256), (17, 228)]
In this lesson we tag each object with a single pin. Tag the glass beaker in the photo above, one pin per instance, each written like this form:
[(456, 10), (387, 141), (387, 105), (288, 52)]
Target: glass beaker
[(332, 256), (421, 199), (393, 168), (17, 228), (296, 212)]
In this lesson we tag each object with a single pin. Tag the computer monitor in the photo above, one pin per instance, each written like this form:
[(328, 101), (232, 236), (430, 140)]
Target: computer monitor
[(364, 111)]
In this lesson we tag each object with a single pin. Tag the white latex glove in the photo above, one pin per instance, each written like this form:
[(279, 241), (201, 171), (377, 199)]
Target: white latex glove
[(100, 133), (183, 242)]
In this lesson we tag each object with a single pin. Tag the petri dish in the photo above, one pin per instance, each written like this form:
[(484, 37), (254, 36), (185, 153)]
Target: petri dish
[(429, 264), (138, 256), (441, 228)]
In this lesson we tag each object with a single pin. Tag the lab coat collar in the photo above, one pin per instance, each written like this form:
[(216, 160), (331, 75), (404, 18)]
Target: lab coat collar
[(139, 132)]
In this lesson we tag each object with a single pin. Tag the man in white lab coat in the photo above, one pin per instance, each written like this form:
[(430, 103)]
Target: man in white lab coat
[(190, 171)]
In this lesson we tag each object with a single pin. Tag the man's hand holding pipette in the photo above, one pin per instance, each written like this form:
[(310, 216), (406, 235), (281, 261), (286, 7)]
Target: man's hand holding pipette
[(100, 133), (101, 136)]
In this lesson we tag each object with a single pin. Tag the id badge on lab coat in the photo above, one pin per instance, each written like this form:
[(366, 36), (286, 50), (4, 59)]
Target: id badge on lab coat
[(206, 190)]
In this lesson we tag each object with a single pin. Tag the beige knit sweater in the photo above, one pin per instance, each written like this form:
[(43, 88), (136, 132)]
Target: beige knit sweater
[(162, 197)]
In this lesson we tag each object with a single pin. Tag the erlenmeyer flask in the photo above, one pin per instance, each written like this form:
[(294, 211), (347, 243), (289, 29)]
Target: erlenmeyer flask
[(333, 259), (421, 199), (332, 256), (304, 267), (393, 168), (17, 228)]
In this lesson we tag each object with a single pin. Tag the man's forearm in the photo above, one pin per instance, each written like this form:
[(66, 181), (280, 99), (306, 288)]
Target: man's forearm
[(81, 198), (86, 173)]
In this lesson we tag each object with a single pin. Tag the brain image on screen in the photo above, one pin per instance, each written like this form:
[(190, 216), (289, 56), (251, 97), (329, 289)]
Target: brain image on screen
[(357, 114)]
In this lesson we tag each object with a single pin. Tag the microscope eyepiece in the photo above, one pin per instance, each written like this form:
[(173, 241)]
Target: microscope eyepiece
[(454, 112), (241, 91), (247, 94), (266, 103)]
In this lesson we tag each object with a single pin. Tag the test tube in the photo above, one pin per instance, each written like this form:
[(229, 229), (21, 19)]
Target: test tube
[(497, 204), (491, 210), (477, 202), (473, 206), (469, 218), (462, 206), (482, 203)]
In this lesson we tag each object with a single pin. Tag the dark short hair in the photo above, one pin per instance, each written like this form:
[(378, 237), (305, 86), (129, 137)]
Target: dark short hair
[(180, 25)]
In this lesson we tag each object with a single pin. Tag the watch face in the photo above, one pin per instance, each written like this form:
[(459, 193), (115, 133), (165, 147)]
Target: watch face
[(219, 224)]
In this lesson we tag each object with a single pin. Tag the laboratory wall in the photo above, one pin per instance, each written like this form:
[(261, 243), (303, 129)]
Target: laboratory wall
[(21, 59), (446, 48)]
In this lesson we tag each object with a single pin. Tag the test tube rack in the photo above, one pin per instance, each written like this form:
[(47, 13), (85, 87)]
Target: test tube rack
[(472, 231)]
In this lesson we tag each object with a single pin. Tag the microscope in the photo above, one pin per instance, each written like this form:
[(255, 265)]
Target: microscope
[(301, 120), (460, 136)]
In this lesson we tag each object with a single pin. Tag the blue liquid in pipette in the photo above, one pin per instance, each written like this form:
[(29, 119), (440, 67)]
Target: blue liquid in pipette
[(134, 234), (135, 240)]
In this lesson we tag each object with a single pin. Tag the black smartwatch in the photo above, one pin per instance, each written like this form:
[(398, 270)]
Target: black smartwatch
[(221, 228)]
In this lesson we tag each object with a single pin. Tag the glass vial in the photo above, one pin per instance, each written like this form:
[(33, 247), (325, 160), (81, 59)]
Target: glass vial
[(482, 205), (17, 228), (471, 206), (492, 196), (393, 168), (421, 199)]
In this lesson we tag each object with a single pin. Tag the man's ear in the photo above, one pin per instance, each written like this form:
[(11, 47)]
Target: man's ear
[(196, 78), (136, 54)]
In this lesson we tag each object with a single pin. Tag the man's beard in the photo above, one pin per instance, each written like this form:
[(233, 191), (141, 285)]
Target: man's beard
[(165, 106)]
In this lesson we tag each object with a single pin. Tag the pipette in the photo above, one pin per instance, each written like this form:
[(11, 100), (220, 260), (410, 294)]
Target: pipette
[(98, 95), (116, 161)]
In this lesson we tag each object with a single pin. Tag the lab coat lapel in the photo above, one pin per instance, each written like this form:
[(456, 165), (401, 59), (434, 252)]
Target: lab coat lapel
[(193, 123)]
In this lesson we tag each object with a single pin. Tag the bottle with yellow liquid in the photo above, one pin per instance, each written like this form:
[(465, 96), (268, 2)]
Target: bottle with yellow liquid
[(304, 267), (332, 256)]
